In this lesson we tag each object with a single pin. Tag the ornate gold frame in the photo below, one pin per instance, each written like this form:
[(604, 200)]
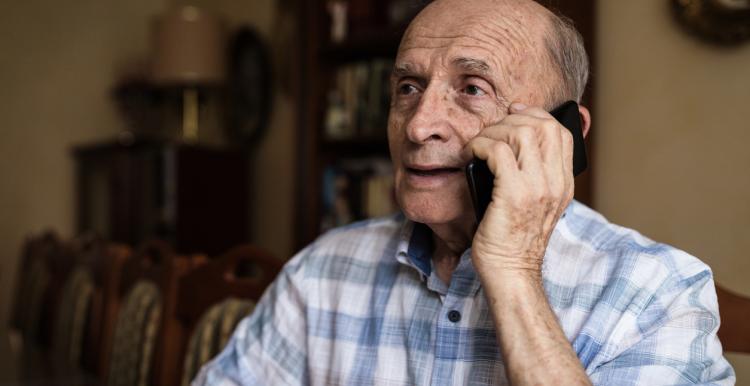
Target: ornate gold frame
[(722, 21)]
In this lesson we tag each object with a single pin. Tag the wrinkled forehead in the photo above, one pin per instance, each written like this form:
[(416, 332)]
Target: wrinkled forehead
[(503, 35)]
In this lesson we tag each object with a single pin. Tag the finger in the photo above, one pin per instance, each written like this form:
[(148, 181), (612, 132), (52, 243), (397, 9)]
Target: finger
[(510, 129), (549, 130), (556, 146), (558, 168), (499, 156), (505, 163), (503, 132), (526, 139), (524, 142), (533, 111)]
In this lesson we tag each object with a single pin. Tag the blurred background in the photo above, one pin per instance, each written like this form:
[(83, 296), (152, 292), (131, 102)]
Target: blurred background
[(274, 131)]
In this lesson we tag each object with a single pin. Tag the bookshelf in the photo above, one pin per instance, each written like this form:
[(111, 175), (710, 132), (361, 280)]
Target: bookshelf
[(343, 153), (326, 149)]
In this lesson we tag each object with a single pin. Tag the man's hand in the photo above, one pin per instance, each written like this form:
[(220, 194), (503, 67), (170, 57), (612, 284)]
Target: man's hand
[(530, 153)]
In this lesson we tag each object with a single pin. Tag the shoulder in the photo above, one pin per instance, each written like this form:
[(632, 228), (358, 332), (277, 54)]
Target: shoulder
[(629, 254), (615, 284), (594, 266), (634, 305), (361, 239)]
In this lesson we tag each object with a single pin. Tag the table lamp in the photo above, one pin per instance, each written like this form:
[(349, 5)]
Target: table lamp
[(189, 53)]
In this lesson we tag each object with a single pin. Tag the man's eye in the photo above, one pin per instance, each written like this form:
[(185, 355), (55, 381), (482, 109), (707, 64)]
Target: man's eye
[(474, 90), (406, 89)]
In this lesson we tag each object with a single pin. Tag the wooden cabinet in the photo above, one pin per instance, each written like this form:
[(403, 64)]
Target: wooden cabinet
[(195, 197)]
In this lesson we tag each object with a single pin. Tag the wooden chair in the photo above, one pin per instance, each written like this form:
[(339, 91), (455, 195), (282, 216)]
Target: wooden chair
[(105, 262), (52, 308), (60, 262), (34, 299), (74, 307), (735, 314), (145, 327), (214, 297), (20, 298)]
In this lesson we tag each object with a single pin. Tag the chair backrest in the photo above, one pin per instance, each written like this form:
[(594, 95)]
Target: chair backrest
[(135, 335), (105, 262), (735, 314), (31, 300), (72, 316), (146, 327), (211, 334), (74, 303), (214, 297), (20, 298), (60, 262)]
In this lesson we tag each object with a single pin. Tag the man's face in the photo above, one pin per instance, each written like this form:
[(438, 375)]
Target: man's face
[(460, 65)]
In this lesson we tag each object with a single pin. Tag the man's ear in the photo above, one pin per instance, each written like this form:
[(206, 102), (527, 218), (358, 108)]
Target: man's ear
[(585, 119)]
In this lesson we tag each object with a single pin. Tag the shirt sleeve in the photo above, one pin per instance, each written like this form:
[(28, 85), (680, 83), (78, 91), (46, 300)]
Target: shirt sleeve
[(269, 346), (675, 341)]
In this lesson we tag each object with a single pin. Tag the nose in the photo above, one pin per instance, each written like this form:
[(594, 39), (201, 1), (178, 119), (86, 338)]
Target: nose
[(430, 120)]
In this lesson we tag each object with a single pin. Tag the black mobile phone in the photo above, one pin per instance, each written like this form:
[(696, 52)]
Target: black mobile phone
[(481, 179)]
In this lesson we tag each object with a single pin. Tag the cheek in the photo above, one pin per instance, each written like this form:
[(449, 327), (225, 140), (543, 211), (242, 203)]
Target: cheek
[(471, 118), (395, 142)]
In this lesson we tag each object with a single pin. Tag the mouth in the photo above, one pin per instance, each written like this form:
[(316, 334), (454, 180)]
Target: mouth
[(432, 177), (432, 171)]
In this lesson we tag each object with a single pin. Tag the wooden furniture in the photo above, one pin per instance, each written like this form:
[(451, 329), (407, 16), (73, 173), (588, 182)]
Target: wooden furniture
[(735, 313), (212, 298), (105, 261), (145, 320), (58, 327), (45, 265), (129, 192), (32, 278), (370, 37), (73, 311)]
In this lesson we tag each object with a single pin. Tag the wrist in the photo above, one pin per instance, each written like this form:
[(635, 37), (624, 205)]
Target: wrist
[(507, 281), (508, 268)]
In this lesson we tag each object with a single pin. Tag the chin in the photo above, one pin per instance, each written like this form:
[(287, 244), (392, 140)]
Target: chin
[(433, 208)]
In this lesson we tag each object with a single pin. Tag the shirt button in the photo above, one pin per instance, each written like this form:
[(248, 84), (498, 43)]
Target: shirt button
[(454, 316)]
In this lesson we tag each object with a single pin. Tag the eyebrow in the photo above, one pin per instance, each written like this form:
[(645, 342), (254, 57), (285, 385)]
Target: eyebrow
[(466, 64), (404, 70), (472, 65)]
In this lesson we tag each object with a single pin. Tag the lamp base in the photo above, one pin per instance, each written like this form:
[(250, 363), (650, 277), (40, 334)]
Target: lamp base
[(190, 114)]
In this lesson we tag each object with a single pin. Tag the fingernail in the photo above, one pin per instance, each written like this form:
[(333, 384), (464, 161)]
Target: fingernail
[(518, 106)]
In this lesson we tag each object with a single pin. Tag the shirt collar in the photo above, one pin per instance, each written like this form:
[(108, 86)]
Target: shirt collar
[(415, 250), (415, 247)]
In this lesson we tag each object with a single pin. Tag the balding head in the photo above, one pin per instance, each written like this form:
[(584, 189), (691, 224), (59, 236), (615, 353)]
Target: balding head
[(526, 28)]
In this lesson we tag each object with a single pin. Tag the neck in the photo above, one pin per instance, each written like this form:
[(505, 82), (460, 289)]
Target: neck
[(450, 242)]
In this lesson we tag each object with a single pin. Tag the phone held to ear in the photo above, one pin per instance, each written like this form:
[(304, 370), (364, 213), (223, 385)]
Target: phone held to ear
[(481, 179)]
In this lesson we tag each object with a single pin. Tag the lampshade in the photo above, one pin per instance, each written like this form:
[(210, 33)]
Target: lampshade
[(189, 47)]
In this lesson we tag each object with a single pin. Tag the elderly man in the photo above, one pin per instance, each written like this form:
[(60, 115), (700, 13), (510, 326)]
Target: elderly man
[(543, 291)]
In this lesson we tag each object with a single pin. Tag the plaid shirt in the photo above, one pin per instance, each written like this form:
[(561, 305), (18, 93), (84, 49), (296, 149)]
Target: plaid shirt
[(362, 306)]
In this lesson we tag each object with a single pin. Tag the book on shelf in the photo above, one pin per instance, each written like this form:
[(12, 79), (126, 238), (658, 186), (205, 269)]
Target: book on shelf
[(358, 101), (357, 189)]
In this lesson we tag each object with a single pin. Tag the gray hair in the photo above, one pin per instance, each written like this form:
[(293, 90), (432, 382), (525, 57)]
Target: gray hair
[(565, 48)]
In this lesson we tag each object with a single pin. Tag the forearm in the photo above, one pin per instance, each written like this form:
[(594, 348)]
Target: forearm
[(534, 347)]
